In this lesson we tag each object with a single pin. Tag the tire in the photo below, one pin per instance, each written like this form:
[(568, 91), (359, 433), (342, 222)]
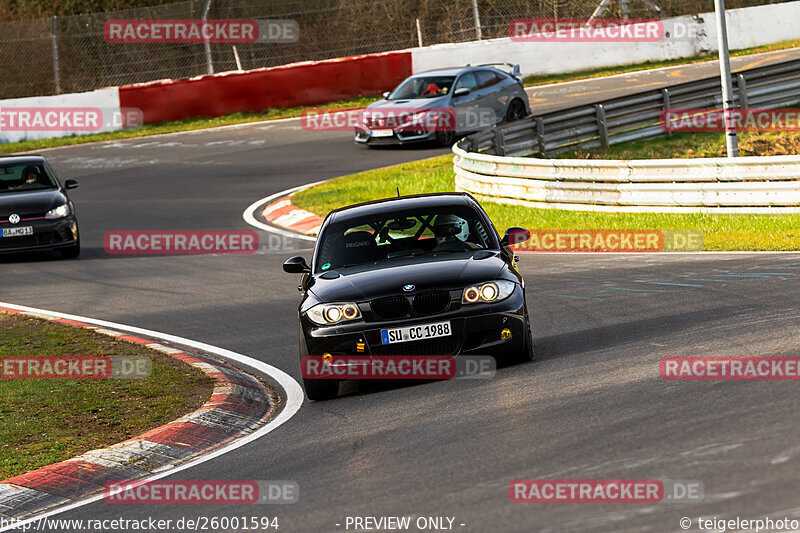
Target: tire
[(72, 252), (445, 138), (321, 389), (316, 389), (515, 111), (526, 355)]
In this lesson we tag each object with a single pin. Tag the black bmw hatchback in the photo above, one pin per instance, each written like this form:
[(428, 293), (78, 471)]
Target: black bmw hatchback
[(36, 213), (413, 276)]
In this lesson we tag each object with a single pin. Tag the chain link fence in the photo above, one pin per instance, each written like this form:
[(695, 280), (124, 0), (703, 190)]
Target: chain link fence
[(70, 54)]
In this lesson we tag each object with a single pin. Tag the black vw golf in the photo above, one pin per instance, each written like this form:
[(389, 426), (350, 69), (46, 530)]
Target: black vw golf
[(35, 211), (413, 276)]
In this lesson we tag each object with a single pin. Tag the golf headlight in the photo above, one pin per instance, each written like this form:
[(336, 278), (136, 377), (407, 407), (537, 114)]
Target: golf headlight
[(491, 291), (329, 314), (59, 212)]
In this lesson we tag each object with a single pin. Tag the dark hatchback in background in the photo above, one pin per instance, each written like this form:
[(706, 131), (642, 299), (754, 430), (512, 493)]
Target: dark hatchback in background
[(36, 213), (382, 267)]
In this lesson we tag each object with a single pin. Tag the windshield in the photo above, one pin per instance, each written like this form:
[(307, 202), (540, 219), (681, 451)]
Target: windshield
[(423, 87), (395, 234), (25, 177)]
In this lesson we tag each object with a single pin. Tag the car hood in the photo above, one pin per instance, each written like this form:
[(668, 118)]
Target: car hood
[(34, 203), (410, 104), (449, 271)]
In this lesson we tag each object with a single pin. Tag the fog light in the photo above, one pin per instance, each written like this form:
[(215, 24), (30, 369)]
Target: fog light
[(505, 334), (327, 358)]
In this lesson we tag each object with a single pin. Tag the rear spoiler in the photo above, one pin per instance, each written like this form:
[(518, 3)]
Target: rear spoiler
[(514, 68)]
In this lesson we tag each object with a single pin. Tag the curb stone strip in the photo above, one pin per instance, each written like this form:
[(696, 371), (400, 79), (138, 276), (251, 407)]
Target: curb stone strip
[(285, 214), (238, 405)]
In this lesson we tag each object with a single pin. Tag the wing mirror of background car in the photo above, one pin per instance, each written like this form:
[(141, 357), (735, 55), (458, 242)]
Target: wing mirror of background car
[(296, 265), (386, 95), (463, 91), (515, 235), (515, 71), (71, 184)]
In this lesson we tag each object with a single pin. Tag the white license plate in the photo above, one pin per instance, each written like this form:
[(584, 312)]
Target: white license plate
[(16, 232), (382, 133), (415, 333)]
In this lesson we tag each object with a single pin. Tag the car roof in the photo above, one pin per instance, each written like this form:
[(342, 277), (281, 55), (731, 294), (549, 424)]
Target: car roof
[(27, 158), (414, 201), (454, 71)]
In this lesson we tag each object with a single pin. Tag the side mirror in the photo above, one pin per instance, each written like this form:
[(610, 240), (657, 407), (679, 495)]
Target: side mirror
[(296, 265), (386, 95), (463, 91), (515, 235), (71, 184), (515, 71)]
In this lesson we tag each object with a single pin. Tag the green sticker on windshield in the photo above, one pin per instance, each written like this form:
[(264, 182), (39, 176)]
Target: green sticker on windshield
[(326, 266)]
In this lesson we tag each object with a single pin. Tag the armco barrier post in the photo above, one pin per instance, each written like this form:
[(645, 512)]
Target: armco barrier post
[(602, 126)]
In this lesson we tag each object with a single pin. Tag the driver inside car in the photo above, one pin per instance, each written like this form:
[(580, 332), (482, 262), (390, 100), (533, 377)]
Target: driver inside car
[(451, 234)]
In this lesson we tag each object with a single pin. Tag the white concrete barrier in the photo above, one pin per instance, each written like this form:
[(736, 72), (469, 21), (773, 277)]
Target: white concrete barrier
[(747, 27), (713, 185), (44, 117)]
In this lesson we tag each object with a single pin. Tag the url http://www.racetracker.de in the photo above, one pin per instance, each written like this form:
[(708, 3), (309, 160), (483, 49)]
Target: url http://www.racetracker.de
[(176, 525)]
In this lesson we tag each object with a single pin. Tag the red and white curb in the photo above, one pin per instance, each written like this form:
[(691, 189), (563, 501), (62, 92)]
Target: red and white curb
[(237, 412), (285, 214), (283, 217)]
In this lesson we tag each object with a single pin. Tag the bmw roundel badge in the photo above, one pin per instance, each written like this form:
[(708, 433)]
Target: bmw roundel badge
[(408, 288)]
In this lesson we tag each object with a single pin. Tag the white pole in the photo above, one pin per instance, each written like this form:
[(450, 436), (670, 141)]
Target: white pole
[(725, 72), (236, 56), (477, 16), (419, 34), (209, 64)]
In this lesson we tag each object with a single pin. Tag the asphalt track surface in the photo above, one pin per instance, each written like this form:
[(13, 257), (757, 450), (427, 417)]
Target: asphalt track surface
[(592, 405)]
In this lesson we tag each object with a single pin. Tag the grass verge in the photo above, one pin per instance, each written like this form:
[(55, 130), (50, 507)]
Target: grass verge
[(721, 232), (272, 114), (46, 421)]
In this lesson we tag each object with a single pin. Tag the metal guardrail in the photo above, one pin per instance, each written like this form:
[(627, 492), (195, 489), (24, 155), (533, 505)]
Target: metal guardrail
[(633, 117), (487, 164)]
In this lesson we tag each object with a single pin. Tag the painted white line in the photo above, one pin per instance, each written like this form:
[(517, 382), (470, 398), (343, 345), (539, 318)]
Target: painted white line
[(249, 214), (294, 397), (184, 132), (659, 69)]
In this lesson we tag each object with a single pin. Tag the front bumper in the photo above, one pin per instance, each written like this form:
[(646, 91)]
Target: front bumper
[(475, 331), (47, 235), (364, 136)]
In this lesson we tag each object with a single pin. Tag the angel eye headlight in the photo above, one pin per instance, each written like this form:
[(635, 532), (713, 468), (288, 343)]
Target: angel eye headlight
[(471, 295), (491, 291), (333, 313)]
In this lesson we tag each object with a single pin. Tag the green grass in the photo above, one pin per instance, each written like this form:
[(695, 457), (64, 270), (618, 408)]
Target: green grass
[(46, 421), (721, 232), (272, 114)]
